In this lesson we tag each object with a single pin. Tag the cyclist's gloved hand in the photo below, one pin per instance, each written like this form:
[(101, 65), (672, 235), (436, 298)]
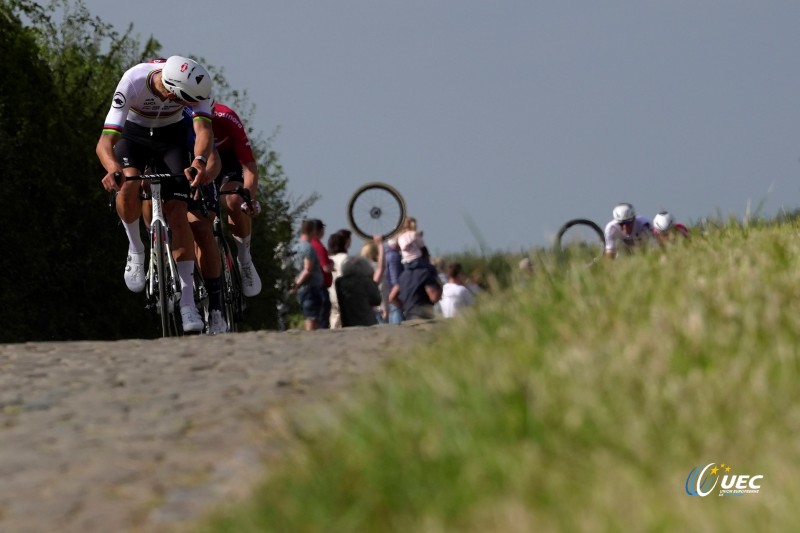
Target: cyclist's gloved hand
[(255, 211)]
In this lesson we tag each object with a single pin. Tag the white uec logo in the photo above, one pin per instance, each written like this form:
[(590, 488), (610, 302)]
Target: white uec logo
[(701, 481)]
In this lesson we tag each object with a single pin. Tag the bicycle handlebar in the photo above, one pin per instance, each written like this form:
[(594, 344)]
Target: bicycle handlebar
[(241, 191), (120, 178)]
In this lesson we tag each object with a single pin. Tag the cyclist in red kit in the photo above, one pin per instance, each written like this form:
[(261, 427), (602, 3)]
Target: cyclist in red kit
[(238, 168)]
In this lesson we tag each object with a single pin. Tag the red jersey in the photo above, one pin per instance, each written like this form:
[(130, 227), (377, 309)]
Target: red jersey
[(230, 136), (324, 260)]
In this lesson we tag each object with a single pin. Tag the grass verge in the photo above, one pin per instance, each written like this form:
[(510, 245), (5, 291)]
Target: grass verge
[(577, 402)]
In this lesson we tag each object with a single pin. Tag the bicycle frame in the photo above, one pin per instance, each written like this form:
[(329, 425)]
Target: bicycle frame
[(161, 252), (163, 288), (232, 296)]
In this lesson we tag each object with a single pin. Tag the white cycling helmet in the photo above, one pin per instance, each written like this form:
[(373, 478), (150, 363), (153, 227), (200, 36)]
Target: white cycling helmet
[(663, 221), (186, 79), (624, 213)]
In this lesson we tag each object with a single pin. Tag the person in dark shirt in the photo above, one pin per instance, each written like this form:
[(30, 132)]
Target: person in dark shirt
[(418, 288), (357, 293)]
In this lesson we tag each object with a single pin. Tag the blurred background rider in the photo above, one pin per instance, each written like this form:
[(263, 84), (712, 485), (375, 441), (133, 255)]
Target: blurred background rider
[(626, 229)]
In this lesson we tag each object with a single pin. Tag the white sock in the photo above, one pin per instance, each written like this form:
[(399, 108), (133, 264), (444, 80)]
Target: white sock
[(135, 243), (185, 273), (243, 248)]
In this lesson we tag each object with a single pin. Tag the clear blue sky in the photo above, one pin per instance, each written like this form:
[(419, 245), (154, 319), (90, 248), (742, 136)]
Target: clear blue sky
[(517, 114)]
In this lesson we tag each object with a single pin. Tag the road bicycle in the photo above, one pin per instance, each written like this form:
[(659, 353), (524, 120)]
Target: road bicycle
[(376, 209), (162, 283), (579, 240), (233, 299)]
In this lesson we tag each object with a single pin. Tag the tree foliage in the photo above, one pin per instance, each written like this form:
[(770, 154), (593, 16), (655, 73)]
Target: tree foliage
[(61, 268)]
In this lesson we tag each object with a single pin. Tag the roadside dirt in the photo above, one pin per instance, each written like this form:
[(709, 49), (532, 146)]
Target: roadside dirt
[(148, 435)]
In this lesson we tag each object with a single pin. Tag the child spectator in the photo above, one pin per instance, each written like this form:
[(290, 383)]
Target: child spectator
[(411, 243)]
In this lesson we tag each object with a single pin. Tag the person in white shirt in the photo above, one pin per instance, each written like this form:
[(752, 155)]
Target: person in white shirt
[(627, 229), (455, 296)]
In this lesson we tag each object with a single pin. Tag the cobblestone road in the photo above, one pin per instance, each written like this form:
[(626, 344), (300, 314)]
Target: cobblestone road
[(143, 435)]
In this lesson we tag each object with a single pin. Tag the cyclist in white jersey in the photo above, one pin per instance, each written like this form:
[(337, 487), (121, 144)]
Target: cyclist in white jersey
[(144, 126), (626, 229)]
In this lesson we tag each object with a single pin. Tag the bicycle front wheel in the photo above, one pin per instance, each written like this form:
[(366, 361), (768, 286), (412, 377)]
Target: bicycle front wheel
[(162, 276), (580, 240), (232, 296), (376, 209)]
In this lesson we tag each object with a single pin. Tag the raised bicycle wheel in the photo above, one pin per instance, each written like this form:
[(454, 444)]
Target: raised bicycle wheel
[(581, 241), (376, 209)]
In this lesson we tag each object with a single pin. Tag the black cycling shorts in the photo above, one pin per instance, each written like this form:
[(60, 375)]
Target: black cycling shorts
[(162, 149)]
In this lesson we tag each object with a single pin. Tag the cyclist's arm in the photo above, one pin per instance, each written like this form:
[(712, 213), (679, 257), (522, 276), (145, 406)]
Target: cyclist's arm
[(214, 166), (105, 152), (114, 122), (250, 174), (308, 264), (381, 266), (203, 146)]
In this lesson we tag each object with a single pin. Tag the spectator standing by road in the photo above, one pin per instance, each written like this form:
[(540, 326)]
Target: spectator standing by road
[(327, 277), (308, 285), (373, 251), (455, 296), (417, 290), (337, 243), (357, 293), (394, 267)]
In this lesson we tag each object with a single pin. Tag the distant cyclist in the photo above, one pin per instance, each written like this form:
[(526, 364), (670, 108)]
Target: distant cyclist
[(626, 229), (230, 139), (664, 227), (145, 124)]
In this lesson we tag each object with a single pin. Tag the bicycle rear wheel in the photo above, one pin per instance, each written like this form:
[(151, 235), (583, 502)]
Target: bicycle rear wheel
[(581, 241), (376, 209)]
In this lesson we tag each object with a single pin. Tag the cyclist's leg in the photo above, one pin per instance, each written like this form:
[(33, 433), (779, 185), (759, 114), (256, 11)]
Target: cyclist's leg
[(241, 226), (208, 257), (129, 208), (175, 195), (131, 156), (239, 223), (203, 233)]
